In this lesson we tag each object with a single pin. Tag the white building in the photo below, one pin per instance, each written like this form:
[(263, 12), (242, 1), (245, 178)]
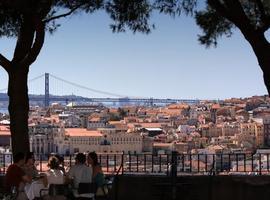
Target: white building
[(46, 138), (83, 140)]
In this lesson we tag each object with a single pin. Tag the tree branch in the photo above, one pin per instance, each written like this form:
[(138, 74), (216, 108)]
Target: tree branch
[(265, 19), (5, 63), (233, 11), (25, 39), (38, 43), (62, 15), (220, 9)]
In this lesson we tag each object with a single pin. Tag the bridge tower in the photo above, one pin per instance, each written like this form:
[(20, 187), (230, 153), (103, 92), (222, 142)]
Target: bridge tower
[(47, 90)]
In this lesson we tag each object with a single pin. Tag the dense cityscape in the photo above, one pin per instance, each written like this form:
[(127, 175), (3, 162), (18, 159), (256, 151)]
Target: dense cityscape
[(236, 125)]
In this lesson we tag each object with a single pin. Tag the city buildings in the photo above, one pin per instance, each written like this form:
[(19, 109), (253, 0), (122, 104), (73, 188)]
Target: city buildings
[(233, 124)]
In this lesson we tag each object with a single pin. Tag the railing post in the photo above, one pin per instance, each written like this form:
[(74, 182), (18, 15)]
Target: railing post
[(174, 173), (267, 162), (160, 163), (137, 156), (252, 163), (206, 163), (152, 163), (260, 164), (190, 162), (214, 165), (4, 162), (245, 168), (144, 163), (70, 159), (129, 160), (221, 162), (198, 163), (107, 163), (230, 162), (168, 173), (114, 162), (100, 159), (237, 167), (123, 163), (40, 162)]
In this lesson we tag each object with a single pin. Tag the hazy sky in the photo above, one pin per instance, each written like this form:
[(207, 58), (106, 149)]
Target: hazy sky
[(168, 63)]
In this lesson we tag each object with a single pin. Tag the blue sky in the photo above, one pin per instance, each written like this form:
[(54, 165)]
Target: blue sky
[(167, 63)]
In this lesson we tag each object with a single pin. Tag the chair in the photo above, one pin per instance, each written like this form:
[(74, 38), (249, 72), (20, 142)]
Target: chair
[(55, 190), (87, 188), (85, 191)]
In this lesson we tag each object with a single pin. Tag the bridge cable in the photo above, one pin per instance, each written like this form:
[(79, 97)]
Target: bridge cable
[(87, 88)]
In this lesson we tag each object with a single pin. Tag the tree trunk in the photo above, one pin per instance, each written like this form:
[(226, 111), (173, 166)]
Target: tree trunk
[(266, 75), (261, 48), (18, 108), (263, 57)]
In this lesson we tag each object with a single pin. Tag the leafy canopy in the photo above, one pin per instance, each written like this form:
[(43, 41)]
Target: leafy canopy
[(221, 16), (215, 17), (125, 14)]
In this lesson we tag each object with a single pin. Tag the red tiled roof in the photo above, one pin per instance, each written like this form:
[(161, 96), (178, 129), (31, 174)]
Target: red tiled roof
[(77, 132), (4, 130)]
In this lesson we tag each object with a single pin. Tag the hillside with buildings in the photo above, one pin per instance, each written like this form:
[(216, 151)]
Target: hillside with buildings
[(231, 125)]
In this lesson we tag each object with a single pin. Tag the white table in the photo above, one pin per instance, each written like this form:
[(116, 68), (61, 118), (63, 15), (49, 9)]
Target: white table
[(32, 190)]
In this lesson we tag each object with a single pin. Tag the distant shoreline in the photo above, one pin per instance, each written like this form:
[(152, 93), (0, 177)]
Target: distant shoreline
[(4, 110)]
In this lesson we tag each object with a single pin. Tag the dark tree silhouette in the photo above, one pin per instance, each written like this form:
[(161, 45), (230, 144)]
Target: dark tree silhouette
[(251, 17), (28, 21)]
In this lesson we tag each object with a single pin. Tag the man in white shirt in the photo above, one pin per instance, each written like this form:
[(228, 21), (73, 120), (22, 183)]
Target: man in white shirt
[(80, 173)]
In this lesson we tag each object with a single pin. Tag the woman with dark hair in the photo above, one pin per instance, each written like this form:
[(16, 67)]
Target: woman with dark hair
[(29, 167), (61, 163), (98, 175)]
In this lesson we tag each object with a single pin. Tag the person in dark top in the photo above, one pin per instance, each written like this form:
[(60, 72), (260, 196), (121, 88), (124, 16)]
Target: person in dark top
[(98, 175), (61, 163), (15, 176), (29, 166)]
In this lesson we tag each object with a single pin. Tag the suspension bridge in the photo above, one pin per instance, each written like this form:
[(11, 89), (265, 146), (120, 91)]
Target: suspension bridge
[(48, 97)]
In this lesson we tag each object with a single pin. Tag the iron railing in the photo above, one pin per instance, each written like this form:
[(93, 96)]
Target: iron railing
[(162, 164)]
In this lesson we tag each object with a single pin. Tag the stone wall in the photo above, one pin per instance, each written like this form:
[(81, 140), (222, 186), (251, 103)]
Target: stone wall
[(193, 188)]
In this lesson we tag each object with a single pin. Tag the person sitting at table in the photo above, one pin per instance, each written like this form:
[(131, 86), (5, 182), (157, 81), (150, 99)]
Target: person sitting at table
[(61, 163), (80, 172), (29, 167), (98, 175), (16, 177), (54, 175)]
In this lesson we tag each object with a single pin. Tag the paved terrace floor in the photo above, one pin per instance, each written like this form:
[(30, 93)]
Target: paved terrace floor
[(145, 187)]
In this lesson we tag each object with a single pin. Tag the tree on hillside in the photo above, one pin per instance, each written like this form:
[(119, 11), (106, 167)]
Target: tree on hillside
[(28, 21)]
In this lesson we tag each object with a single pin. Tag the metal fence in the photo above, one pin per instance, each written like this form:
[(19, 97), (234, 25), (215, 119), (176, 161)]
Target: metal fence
[(162, 164)]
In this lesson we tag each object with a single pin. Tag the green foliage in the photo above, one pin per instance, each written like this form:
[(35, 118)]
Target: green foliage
[(216, 18), (213, 25), (175, 7), (132, 14), (125, 14), (122, 112), (9, 23), (220, 17), (114, 117)]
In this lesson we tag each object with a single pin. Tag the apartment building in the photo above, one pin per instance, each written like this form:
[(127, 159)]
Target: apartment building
[(83, 140), (253, 129)]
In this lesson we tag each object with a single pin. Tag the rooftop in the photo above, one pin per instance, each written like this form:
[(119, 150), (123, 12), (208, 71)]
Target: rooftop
[(82, 132)]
